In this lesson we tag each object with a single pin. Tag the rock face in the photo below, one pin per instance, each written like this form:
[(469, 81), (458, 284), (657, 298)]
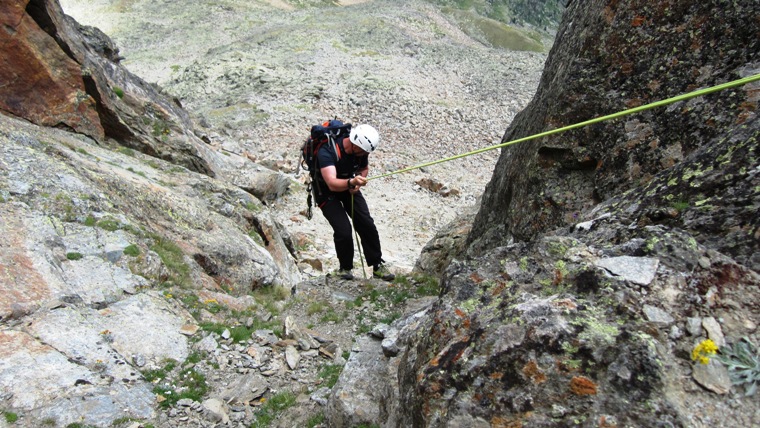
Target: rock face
[(686, 165), (65, 75), (594, 249), (40, 81)]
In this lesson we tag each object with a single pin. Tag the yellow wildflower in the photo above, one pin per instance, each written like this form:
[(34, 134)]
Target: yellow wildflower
[(703, 351)]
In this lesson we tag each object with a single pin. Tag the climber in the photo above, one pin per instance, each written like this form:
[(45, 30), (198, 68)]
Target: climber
[(343, 172)]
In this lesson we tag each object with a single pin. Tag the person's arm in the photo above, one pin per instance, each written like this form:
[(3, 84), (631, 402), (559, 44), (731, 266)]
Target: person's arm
[(339, 184)]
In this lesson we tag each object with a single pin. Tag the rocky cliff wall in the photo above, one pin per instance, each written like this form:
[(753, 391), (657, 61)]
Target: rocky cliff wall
[(690, 165)]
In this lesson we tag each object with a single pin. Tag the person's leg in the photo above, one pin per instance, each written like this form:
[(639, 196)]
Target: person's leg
[(342, 234), (365, 227)]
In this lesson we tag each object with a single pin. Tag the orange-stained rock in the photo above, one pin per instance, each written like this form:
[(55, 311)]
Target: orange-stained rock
[(21, 285), (580, 385), (41, 83)]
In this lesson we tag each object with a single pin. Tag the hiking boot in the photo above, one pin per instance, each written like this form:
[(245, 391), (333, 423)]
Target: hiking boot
[(344, 274), (381, 271)]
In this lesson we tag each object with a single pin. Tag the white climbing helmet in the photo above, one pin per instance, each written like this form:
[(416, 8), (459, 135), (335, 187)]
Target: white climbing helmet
[(366, 137)]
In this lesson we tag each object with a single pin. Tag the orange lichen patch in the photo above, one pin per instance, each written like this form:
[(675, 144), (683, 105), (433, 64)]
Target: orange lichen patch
[(637, 21), (498, 289), (513, 422), (748, 106), (604, 424), (460, 313), (476, 278), (565, 303), (435, 362), (499, 422), (496, 375), (466, 323), (532, 372), (634, 102), (580, 385), (743, 117), (609, 13), (558, 277)]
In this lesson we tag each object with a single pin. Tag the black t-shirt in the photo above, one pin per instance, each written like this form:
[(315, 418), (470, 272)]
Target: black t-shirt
[(346, 165)]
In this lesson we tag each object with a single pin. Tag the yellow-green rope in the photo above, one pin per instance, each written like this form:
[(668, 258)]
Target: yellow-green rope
[(682, 97), (358, 242)]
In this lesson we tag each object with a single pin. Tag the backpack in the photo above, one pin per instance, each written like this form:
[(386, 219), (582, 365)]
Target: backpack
[(331, 131)]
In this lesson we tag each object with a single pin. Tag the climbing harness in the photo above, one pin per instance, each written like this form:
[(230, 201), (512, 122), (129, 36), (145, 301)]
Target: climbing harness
[(682, 97)]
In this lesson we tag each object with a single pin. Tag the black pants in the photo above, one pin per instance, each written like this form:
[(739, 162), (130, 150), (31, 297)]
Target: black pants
[(337, 211)]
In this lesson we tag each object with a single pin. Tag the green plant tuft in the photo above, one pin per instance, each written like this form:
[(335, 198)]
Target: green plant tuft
[(330, 374), (10, 417), (132, 250), (680, 205), (316, 420), (118, 91), (126, 151), (109, 224), (743, 363), (174, 259), (74, 256), (272, 408)]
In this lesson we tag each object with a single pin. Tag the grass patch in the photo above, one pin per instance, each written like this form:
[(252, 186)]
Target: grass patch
[(390, 297), (272, 408), (159, 374), (315, 308), (332, 316), (495, 33), (186, 384), (109, 224), (316, 420), (140, 173), (189, 384), (74, 256), (132, 250), (10, 417), (330, 374), (173, 258), (680, 205), (269, 296), (126, 151)]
